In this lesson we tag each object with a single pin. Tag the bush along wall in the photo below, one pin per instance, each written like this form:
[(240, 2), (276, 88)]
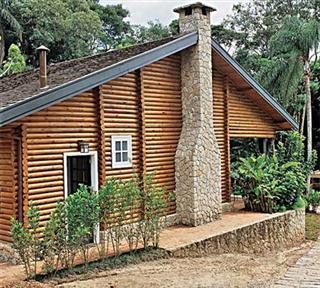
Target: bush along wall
[(278, 181), (70, 231)]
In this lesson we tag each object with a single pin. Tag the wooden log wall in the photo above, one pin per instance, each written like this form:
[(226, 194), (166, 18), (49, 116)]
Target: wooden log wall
[(220, 120), (146, 104), (235, 115), (247, 119), (122, 117), (162, 120), (8, 182), (121, 107), (46, 136)]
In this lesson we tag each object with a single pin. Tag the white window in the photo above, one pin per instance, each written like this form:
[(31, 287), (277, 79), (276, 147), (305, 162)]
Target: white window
[(121, 151)]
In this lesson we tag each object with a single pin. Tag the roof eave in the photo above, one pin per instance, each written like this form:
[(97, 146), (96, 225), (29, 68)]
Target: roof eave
[(65, 91), (254, 84)]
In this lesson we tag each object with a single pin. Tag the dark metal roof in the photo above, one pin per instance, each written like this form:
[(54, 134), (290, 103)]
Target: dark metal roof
[(127, 60), (254, 84)]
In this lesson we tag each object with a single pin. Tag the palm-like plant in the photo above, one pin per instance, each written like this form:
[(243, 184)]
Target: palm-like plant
[(7, 19), (291, 50)]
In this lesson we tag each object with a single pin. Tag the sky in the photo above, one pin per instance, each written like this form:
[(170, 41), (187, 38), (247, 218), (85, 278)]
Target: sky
[(142, 11)]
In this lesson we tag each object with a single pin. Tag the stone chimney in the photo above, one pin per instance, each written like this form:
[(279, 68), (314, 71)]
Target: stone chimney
[(198, 176)]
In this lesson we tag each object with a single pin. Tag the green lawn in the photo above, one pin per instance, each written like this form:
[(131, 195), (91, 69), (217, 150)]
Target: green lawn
[(312, 226)]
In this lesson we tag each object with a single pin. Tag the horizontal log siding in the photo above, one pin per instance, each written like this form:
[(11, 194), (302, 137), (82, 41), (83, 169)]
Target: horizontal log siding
[(47, 135), (247, 119), (220, 128), (162, 120), (121, 112), (244, 117), (8, 182), (121, 117)]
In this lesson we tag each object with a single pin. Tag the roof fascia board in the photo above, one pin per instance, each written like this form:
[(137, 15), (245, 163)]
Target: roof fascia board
[(87, 82), (254, 84)]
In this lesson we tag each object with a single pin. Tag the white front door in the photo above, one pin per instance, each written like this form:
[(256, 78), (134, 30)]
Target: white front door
[(81, 168)]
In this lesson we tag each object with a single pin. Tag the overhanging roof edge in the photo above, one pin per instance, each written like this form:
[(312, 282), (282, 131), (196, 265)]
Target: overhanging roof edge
[(87, 82), (254, 84)]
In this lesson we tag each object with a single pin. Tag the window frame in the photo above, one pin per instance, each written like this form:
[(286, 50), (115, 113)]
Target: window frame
[(121, 138)]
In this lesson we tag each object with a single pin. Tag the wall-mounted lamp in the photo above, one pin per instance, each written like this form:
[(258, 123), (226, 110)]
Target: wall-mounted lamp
[(83, 146)]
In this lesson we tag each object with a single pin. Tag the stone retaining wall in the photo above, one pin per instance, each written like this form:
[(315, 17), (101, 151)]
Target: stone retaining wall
[(281, 230)]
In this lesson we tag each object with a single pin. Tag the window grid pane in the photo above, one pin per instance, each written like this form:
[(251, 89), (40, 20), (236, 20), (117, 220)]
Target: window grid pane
[(125, 145), (118, 145), (118, 157), (125, 156)]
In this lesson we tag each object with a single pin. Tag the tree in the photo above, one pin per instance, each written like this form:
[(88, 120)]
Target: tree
[(15, 62), (291, 49), (6, 20), (115, 28), (255, 22), (174, 27), (69, 28), (315, 89), (153, 31), (225, 36)]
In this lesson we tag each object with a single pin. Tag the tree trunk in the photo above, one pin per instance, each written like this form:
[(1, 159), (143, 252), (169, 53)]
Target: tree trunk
[(308, 109), (1, 44), (303, 119)]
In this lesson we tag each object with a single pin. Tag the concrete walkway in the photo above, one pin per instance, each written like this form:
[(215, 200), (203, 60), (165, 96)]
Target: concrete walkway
[(305, 273)]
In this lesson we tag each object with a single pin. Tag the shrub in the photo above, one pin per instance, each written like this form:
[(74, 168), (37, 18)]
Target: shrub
[(256, 183), (153, 202), (107, 202), (313, 199), (83, 215), (57, 249), (275, 182), (121, 200), (70, 228), (25, 240)]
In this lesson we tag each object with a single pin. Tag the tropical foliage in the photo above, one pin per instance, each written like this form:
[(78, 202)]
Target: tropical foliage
[(291, 49), (7, 21), (15, 62), (278, 42), (313, 200), (274, 182)]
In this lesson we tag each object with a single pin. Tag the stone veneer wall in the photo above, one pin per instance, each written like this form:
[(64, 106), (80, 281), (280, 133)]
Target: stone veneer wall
[(280, 230), (198, 176)]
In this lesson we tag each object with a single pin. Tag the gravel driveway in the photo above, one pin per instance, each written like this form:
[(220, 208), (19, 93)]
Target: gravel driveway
[(228, 270)]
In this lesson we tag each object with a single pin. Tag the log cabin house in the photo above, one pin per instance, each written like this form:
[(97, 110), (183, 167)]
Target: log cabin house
[(170, 106)]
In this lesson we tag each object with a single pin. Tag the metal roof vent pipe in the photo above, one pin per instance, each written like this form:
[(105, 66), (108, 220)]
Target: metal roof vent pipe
[(43, 66)]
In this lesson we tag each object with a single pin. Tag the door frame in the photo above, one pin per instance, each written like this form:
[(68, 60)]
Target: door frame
[(94, 178)]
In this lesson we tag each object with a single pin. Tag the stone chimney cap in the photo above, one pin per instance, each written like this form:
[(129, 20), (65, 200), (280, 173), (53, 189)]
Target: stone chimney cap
[(194, 5), (43, 48)]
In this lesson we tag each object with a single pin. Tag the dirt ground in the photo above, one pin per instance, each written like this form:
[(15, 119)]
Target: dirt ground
[(228, 270)]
